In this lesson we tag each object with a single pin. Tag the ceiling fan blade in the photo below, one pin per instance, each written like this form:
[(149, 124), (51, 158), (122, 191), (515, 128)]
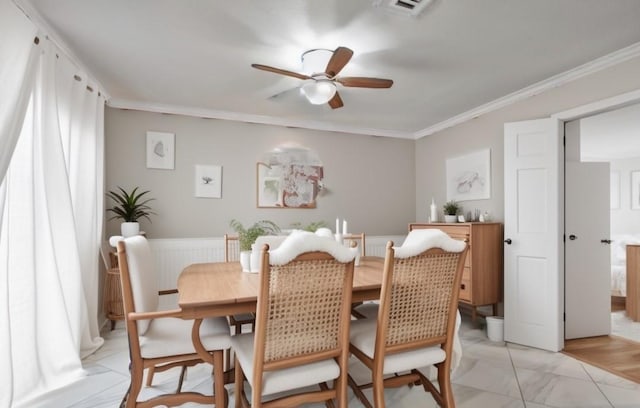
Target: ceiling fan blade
[(338, 60), (281, 71), (336, 102), (364, 82)]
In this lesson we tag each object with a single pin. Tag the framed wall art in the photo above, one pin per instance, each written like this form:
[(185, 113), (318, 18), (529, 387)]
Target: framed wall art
[(160, 150), (469, 176), (288, 185), (208, 181)]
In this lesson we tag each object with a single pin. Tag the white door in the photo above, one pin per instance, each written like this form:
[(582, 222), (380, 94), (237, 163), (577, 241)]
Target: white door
[(533, 227), (588, 265)]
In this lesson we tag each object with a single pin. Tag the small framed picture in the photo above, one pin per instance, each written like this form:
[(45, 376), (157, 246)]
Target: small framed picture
[(160, 150), (208, 181)]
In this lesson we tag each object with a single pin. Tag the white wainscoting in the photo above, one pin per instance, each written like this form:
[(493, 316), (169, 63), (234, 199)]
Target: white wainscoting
[(173, 255)]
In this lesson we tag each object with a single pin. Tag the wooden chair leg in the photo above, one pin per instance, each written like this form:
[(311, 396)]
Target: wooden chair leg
[(218, 380), (183, 372), (150, 372), (358, 392), (239, 384), (378, 391), (136, 385)]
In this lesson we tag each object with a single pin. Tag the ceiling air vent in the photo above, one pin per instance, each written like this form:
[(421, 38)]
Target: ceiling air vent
[(404, 7)]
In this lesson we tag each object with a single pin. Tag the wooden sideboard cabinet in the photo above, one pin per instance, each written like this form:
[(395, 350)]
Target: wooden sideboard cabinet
[(633, 282), (482, 279)]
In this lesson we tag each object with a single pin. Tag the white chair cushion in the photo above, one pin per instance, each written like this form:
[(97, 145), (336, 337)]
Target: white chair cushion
[(363, 337), (299, 242), (144, 283), (285, 379), (419, 240), (172, 336), (370, 311)]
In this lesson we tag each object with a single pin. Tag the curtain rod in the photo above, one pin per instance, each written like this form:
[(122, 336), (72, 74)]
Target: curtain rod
[(31, 13)]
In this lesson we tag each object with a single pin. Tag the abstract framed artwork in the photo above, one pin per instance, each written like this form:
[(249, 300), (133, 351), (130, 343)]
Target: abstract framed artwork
[(288, 185), (160, 150), (635, 190), (469, 176), (208, 181)]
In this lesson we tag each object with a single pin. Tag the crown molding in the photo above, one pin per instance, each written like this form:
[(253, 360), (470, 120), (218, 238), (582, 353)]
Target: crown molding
[(260, 119), (555, 81)]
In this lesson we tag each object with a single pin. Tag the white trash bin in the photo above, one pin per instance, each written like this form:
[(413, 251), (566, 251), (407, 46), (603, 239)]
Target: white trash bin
[(495, 328)]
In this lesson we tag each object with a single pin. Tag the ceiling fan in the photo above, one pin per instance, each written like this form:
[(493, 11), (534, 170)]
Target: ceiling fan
[(320, 83)]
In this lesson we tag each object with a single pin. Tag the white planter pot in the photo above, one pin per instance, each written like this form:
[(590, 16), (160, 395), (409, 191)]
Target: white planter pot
[(255, 259), (450, 218), (245, 261), (129, 229)]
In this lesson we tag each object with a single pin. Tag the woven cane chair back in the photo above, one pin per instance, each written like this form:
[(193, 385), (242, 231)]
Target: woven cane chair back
[(306, 309), (421, 297)]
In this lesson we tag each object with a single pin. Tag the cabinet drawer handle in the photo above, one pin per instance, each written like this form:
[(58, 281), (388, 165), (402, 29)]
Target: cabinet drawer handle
[(462, 286)]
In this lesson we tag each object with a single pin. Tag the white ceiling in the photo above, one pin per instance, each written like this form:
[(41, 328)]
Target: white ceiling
[(195, 56)]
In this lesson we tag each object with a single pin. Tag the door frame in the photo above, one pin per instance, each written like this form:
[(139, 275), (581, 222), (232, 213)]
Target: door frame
[(590, 109)]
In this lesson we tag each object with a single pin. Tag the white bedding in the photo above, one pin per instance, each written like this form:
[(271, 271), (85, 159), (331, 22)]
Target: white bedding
[(619, 261)]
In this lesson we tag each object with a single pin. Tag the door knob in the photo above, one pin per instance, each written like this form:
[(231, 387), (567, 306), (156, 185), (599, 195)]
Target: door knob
[(508, 241), (606, 241), (572, 237)]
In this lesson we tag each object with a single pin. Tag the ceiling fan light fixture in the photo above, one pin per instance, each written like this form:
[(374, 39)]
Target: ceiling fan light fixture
[(320, 91), (315, 61)]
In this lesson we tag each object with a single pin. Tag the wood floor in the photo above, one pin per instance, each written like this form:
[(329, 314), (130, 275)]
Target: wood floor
[(611, 353)]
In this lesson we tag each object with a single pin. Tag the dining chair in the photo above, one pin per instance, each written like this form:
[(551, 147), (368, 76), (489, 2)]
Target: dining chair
[(232, 254), (161, 339), (416, 320), (359, 239), (302, 326)]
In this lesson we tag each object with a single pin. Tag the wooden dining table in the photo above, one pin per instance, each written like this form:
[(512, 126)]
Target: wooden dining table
[(223, 289)]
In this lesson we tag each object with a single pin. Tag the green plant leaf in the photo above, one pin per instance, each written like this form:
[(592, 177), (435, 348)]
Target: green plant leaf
[(130, 206)]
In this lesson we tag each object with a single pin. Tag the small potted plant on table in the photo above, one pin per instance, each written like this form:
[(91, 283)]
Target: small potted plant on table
[(451, 211), (247, 236), (130, 207)]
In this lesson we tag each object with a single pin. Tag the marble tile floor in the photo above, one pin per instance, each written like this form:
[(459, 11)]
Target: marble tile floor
[(490, 375)]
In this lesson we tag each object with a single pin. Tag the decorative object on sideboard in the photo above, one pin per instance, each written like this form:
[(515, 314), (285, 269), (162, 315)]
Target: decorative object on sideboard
[(433, 211), (130, 207), (247, 236), (451, 209)]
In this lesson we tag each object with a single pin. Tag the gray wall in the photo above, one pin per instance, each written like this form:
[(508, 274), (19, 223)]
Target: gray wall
[(378, 184), (487, 131), (370, 180), (624, 220)]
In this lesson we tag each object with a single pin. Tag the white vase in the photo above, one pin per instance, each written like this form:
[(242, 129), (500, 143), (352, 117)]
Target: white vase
[(450, 218), (245, 261), (255, 258), (129, 229)]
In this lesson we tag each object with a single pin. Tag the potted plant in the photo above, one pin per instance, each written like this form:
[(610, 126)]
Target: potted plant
[(130, 207), (311, 227), (451, 208), (247, 236)]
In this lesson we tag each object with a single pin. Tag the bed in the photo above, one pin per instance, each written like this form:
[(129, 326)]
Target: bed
[(619, 262)]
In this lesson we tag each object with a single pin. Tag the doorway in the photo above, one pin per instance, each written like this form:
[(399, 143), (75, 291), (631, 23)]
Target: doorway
[(613, 137)]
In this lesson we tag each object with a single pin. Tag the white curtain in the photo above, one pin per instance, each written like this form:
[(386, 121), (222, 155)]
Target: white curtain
[(51, 200)]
